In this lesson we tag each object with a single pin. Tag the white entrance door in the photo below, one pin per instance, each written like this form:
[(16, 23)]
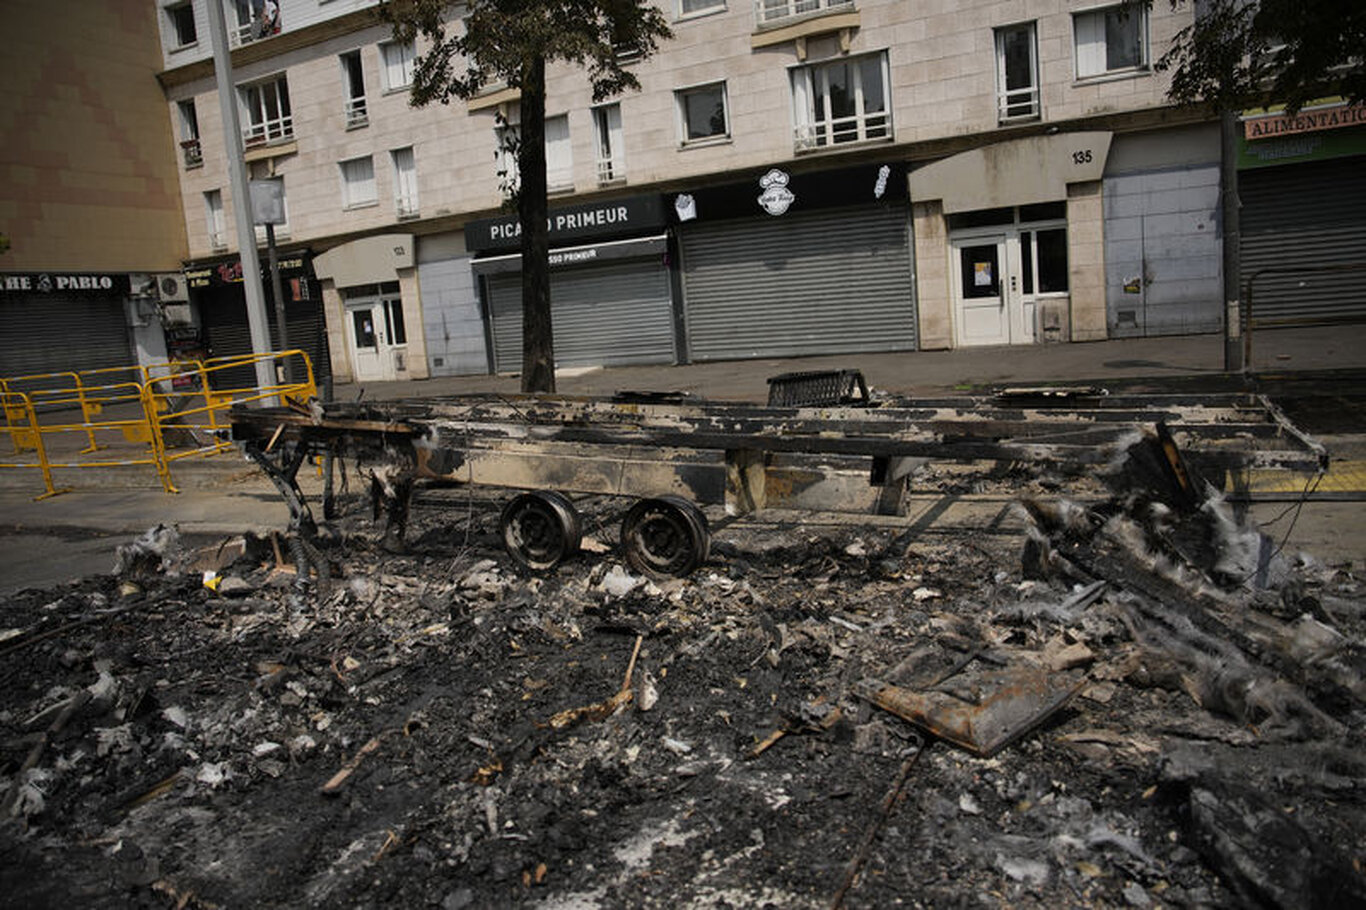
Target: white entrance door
[(990, 291), (379, 338)]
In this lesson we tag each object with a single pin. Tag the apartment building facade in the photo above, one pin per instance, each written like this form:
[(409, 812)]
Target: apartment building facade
[(794, 177), (89, 192)]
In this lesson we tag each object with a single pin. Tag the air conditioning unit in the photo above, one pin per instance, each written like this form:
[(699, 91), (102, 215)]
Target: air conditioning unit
[(172, 288)]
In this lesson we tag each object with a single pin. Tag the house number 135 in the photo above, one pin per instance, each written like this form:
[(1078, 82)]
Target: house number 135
[(1082, 157)]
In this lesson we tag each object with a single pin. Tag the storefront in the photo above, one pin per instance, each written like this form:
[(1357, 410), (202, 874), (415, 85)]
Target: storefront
[(218, 297), (794, 264), (611, 296), (1301, 182), (1009, 242), (58, 322)]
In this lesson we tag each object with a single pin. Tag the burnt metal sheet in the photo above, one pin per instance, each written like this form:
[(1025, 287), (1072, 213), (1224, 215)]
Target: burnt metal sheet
[(983, 713)]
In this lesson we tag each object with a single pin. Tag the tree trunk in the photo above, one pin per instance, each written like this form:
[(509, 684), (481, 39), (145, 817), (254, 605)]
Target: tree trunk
[(538, 346)]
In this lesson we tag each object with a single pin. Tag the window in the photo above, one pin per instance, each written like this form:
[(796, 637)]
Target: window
[(265, 107), (358, 183), (767, 12), (559, 157), (844, 101), (398, 65), (242, 24), (189, 134), (702, 113), (693, 7), (182, 24), (607, 127), (1113, 40), (405, 182), (1017, 74), (213, 216), (1044, 253), (353, 91)]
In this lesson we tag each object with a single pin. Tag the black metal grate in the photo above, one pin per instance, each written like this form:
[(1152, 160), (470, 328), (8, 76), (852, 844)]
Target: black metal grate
[(817, 387)]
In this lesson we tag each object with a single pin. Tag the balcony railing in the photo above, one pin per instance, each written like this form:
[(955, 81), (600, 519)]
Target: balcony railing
[(356, 113), (406, 207), (843, 130), (268, 131), (1018, 104), (611, 170), (774, 12), (217, 242), (193, 154)]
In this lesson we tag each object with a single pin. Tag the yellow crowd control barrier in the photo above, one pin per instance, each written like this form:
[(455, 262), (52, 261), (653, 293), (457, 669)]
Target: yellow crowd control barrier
[(139, 415)]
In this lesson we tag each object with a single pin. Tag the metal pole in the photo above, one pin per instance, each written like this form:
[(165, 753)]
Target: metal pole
[(277, 290), (241, 202)]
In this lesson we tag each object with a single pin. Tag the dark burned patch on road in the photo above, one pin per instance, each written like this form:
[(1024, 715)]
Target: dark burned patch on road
[(441, 729)]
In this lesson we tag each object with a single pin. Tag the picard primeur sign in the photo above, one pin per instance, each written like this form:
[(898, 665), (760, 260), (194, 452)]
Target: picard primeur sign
[(594, 220)]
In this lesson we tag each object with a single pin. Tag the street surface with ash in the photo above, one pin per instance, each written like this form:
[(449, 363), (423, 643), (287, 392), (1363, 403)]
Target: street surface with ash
[(436, 729)]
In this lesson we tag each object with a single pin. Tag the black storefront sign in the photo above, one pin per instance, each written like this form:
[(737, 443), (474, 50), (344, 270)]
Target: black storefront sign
[(776, 192), (592, 221), (298, 265), (65, 284)]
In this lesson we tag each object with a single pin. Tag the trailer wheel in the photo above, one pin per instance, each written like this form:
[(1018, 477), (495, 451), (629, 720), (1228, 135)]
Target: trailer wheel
[(665, 537), (540, 529)]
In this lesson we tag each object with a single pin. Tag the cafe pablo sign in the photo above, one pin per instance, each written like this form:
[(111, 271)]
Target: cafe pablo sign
[(84, 284)]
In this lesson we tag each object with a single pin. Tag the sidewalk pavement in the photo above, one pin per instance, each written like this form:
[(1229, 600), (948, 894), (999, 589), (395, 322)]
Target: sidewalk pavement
[(77, 533), (1284, 351)]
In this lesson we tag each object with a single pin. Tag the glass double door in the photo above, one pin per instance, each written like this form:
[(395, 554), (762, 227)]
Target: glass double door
[(379, 338), (999, 279)]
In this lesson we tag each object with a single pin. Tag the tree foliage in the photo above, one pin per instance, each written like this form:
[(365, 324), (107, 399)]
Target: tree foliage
[(1240, 54), (471, 45)]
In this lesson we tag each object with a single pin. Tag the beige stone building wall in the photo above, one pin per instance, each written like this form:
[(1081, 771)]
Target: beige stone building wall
[(88, 173), (941, 58)]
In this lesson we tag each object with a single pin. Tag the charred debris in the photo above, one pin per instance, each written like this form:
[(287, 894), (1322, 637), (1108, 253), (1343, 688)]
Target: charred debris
[(1110, 691)]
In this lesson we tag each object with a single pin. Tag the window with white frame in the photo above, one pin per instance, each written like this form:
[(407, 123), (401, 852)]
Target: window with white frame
[(181, 17), (213, 217), (1017, 73), (559, 156), (611, 162), (405, 182), (358, 183), (353, 91), (702, 113), (842, 101), (265, 110), (1111, 40), (242, 23), (398, 64), (695, 7), (189, 133), (768, 12)]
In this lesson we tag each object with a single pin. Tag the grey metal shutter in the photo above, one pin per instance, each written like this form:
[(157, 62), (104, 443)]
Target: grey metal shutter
[(229, 335), (611, 315), (1304, 215), (50, 334), (830, 282)]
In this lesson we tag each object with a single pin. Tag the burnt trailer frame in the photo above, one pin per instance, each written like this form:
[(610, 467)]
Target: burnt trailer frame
[(672, 452)]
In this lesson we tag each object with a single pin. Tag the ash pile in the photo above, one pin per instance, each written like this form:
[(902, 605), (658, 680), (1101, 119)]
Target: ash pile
[(1127, 699)]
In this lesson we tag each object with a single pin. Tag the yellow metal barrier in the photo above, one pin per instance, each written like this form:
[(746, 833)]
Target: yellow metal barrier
[(175, 410)]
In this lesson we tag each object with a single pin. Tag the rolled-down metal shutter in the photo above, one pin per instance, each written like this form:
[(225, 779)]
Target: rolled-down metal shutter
[(229, 335), (616, 314), (830, 282), (63, 335), (1303, 217)]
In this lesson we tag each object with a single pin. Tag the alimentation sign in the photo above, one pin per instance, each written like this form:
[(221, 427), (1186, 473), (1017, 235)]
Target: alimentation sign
[(66, 284), (592, 221)]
